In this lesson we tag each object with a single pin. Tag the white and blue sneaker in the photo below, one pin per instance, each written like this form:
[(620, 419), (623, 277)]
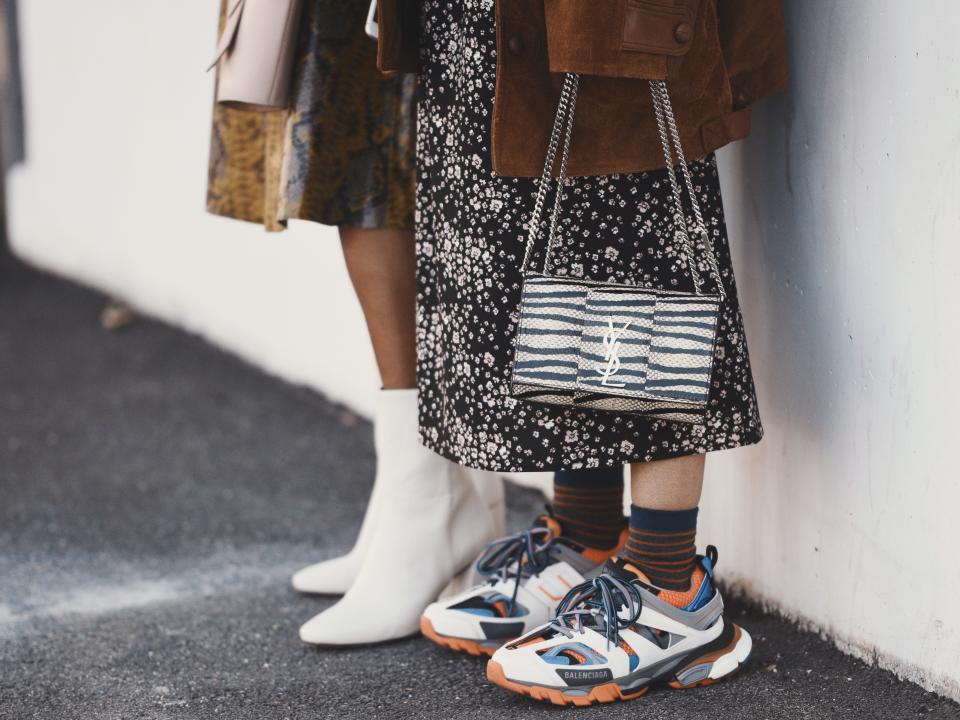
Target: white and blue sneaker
[(528, 574), (615, 636)]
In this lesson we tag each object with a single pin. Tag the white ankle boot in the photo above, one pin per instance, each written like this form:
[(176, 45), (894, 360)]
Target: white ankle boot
[(489, 487), (334, 576), (396, 411), (492, 484), (431, 523)]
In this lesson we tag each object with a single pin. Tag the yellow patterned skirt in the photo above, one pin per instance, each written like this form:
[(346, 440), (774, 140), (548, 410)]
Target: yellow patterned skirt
[(342, 154)]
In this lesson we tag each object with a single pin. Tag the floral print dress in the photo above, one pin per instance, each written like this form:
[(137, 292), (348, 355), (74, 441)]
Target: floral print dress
[(469, 249)]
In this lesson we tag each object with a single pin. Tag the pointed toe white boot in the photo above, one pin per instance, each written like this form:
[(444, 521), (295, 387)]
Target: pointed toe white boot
[(336, 575), (431, 523), (396, 412)]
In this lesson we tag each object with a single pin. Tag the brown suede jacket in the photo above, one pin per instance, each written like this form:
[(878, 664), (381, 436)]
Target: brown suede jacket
[(717, 56)]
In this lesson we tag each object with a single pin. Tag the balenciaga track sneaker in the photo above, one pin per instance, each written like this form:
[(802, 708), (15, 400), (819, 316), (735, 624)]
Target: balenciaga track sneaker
[(528, 574), (615, 636)]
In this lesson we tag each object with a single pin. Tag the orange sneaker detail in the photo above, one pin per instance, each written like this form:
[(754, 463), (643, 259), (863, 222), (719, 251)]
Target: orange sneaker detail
[(552, 525), (677, 598), (601, 556), (683, 598)]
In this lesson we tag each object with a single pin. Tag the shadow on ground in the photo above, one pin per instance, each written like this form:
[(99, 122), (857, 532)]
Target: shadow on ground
[(156, 494)]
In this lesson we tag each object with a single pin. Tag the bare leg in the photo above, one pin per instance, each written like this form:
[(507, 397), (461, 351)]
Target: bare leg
[(381, 265), (663, 522), (453, 517), (673, 484), (382, 269)]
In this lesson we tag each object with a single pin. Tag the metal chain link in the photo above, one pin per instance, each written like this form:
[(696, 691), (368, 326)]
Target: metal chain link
[(679, 217), (533, 228), (562, 177), (661, 89), (668, 133)]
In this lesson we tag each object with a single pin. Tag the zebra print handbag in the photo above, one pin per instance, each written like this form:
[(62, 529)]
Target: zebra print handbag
[(607, 346)]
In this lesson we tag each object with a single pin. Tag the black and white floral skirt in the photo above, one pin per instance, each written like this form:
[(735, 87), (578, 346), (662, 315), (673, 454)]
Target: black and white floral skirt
[(469, 249)]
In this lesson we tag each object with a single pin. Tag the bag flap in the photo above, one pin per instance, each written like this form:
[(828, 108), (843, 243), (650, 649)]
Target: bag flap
[(229, 33)]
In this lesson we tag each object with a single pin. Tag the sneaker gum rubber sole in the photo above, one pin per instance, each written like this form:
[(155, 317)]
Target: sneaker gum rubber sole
[(471, 647), (611, 692)]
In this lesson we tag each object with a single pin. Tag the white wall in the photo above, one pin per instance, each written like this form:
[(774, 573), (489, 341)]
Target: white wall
[(843, 207), (113, 194)]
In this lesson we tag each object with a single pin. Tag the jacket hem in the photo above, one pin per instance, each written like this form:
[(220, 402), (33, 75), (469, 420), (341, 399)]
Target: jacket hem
[(708, 137)]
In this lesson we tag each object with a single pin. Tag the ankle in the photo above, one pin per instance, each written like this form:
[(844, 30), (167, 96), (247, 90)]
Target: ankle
[(588, 504), (662, 544)]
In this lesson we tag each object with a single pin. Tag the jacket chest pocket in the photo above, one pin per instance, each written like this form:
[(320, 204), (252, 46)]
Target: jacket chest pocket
[(661, 27), (644, 39)]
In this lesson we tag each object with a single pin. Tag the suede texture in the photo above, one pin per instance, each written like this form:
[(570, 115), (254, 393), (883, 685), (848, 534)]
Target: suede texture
[(717, 56)]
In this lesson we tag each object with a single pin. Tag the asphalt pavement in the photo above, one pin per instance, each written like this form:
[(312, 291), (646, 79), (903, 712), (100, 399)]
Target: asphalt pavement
[(156, 494)]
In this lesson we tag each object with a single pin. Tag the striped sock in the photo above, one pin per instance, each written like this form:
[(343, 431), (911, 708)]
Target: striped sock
[(589, 505), (662, 544)]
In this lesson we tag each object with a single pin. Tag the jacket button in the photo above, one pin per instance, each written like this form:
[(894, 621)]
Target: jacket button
[(515, 45), (682, 33)]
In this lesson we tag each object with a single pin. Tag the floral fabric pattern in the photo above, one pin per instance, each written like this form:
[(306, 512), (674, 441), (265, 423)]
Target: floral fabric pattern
[(470, 245)]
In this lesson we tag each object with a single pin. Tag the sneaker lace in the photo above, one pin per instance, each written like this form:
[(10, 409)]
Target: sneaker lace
[(598, 601), (519, 556)]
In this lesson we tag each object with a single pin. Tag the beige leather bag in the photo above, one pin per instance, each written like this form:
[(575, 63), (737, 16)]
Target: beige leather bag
[(255, 53)]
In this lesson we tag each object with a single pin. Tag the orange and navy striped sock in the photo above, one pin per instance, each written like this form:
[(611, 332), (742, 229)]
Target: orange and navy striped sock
[(662, 544), (589, 505)]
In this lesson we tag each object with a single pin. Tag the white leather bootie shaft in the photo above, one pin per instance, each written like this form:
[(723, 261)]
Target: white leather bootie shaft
[(336, 575), (490, 487), (396, 412), (431, 524)]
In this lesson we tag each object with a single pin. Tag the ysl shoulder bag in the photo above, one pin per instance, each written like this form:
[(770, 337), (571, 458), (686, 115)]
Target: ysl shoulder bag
[(615, 347)]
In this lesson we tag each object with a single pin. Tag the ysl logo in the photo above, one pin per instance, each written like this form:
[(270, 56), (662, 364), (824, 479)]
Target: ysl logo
[(611, 347)]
